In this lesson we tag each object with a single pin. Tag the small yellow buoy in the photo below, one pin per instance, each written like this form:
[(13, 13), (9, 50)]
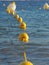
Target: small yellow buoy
[(12, 12), (17, 16), (46, 6), (23, 25), (8, 10), (25, 62), (20, 20), (24, 37)]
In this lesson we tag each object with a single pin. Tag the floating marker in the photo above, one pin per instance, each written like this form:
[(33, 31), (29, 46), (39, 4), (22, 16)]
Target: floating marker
[(24, 37), (46, 6), (8, 10), (20, 20), (23, 25), (12, 12), (17, 16), (11, 8)]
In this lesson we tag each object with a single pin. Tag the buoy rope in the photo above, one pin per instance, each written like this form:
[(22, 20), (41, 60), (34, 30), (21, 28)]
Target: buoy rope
[(25, 58)]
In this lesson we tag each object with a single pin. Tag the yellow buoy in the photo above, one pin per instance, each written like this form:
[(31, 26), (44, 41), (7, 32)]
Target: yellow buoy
[(17, 16), (8, 10), (23, 25), (25, 62), (46, 6), (11, 8), (20, 20), (24, 37), (12, 12)]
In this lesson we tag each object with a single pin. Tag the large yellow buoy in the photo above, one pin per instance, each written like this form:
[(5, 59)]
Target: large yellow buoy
[(23, 25), (46, 6), (25, 62), (20, 20), (24, 37), (17, 16), (11, 8)]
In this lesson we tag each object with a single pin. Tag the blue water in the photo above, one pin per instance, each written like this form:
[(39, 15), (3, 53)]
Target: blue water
[(37, 20)]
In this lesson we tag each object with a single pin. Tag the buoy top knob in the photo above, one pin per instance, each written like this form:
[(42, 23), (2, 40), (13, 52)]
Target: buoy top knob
[(25, 58), (25, 62)]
